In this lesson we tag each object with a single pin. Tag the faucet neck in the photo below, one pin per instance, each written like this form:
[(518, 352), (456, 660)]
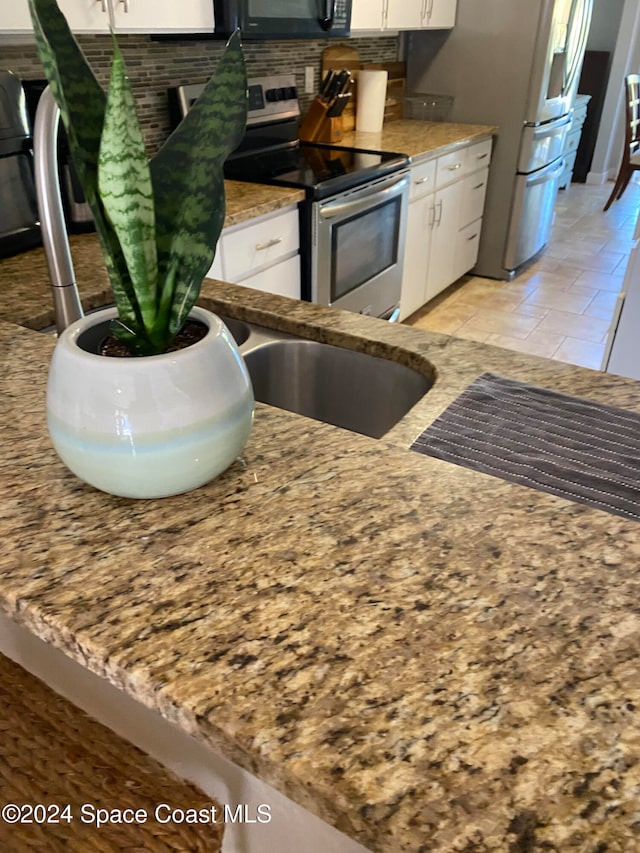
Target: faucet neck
[(66, 298)]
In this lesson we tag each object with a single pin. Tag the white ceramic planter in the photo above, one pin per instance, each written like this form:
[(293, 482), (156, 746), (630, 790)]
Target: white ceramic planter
[(152, 426)]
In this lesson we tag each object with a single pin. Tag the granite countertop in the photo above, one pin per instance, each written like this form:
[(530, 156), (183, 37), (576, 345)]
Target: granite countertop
[(418, 139), (22, 303), (424, 656)]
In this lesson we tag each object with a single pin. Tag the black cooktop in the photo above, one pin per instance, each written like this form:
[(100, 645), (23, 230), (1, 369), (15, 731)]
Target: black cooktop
[(320, 170)]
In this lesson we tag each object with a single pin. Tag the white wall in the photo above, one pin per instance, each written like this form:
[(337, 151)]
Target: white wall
[(625, 60), (605, 23)]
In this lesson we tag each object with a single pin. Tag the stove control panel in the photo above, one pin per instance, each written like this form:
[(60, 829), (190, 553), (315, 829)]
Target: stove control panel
[(272, 98)]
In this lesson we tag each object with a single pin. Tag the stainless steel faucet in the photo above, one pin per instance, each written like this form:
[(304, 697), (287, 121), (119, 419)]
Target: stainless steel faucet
[(66, 299)]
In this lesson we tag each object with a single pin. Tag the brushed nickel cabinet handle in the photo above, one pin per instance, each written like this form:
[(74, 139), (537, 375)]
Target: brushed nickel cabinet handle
[(268, 243), (422, 180), (454, 167)]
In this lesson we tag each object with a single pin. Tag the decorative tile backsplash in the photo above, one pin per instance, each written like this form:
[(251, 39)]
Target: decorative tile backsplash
[(154, 66)]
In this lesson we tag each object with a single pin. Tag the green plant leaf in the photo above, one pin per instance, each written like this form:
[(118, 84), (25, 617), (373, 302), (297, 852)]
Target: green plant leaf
[(124, 183), (188, 181), (82, 106)]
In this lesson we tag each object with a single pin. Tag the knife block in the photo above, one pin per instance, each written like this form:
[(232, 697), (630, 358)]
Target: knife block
[(318, 127)]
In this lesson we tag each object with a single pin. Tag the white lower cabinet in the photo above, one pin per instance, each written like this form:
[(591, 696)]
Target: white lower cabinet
[(263, 253), (444, 239), (443, 227)]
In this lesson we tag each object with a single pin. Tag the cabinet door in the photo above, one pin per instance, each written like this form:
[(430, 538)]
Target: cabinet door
[(473, 196), (15, 17), (282, 278), (467, 247), (367, 15), (82, 16), (404, 14), (439, 14), (157, 16), (88, 16), (147, 16), (444, 239), (416, 255)]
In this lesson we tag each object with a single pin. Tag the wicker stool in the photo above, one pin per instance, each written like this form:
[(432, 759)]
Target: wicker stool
[(53, 754)]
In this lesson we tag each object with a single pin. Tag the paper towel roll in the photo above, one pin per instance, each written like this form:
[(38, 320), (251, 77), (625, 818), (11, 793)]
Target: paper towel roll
[(372, 92)]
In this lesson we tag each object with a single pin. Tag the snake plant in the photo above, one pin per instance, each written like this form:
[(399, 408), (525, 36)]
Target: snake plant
[(158, 220)]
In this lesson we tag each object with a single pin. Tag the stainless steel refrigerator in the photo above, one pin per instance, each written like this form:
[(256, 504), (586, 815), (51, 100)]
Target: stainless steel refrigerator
[(514, 64)]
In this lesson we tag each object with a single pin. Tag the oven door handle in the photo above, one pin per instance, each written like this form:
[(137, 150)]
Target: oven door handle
[(374, 196)]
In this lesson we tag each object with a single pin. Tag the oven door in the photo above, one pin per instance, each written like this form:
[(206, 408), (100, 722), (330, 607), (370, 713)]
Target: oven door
[(358, 247)]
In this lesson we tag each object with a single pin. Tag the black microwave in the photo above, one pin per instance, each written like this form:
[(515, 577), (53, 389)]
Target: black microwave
[(283, 19)]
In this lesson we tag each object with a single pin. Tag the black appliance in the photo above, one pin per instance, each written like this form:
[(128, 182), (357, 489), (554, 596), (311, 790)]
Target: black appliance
[(76, 210), (284, 19), (353, 220), (19, 221)]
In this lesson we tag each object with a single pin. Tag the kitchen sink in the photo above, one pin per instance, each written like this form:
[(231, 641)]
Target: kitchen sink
[(353, 390), (359, 392)]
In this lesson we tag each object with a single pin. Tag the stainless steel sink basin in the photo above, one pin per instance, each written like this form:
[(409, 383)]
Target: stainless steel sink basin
[(348, 389), (342, 387)]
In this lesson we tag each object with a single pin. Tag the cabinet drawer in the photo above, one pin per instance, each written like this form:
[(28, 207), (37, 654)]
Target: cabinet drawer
[(423, 179), (578, 119), (478, 156), (216, 270), (467, 248), (475, 190), (450, 167), (262, 242), (572, 142), (282, 278)]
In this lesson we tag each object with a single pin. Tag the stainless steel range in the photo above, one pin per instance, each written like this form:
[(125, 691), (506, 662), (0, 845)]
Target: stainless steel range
[(353, 220)]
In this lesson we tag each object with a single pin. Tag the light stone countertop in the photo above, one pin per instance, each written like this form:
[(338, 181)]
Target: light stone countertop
[(22, 303), (424, 656), (418, 139)]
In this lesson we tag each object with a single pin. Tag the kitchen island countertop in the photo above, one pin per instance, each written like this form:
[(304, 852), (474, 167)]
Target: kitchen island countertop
[(424, 656)]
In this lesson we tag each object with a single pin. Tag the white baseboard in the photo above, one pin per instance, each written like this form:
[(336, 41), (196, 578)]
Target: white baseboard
[(597, 178)]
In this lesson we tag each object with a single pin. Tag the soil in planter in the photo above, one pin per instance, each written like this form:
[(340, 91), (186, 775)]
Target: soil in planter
[(192, 332)]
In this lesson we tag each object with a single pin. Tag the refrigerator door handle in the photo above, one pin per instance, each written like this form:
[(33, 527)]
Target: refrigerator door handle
[(583, 8), (547, 174)]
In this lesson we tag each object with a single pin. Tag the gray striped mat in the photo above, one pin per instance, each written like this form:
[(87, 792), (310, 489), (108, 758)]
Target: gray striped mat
[(568, 446)]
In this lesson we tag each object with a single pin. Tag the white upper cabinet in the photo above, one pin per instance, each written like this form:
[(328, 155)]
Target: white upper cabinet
[(402, 14), (157, 16), (367, 15), (439, 14), (143, 16), (15, 17)]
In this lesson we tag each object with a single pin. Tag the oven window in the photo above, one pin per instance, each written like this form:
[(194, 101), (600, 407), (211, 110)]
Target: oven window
[(363, 246), (290, 9)]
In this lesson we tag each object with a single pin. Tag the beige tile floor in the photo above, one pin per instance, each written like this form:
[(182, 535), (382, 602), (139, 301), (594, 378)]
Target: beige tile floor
[(561, 307)]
